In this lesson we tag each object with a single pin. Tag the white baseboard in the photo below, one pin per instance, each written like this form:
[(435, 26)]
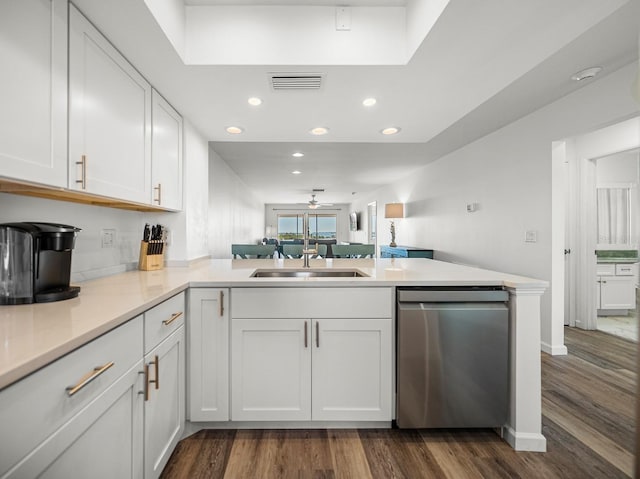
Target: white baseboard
[(554, 350), (525, 441)]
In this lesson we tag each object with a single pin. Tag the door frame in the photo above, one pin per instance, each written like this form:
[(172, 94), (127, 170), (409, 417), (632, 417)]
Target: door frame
[(579, 286)]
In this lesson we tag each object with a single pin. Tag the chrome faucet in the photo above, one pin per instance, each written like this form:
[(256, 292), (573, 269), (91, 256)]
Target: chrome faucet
[(305, 248)]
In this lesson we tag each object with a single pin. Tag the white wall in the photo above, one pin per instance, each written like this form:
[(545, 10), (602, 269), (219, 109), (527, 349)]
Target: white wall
[(235, 214), (89, 259), (618, 168), (293, 35), (508, 173)]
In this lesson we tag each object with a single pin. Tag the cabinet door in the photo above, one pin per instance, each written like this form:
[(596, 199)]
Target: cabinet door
[(104, 440), (166, 154), (617, 292), (33, 90), (109, 118), (164, 402), (208, 326), (270, 370), (352, 370)]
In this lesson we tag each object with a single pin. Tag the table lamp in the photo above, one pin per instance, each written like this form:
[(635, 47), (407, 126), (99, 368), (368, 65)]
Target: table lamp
[(393, 210)]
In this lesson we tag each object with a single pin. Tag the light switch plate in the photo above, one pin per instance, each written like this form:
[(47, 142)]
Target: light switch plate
[(531, 236)]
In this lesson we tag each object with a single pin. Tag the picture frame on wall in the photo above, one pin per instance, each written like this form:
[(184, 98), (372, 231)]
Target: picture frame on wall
[(354, 221)]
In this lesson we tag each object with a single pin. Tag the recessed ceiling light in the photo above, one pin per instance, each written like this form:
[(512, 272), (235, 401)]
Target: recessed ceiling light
[(369, 101), (320, 130), (234, 130), (296, 172), (254, 101), (298, 154), (586, 74), (392, 130)]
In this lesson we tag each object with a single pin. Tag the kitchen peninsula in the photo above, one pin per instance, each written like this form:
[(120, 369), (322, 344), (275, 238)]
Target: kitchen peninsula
[(35, 336)]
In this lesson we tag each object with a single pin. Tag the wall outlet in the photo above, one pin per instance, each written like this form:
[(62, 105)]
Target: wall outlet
[(531, 236), (471, 207), (108, 238)]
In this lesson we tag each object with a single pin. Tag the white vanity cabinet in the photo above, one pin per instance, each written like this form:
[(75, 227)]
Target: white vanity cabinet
[(208, 358), (164, 388), (616, 287), (109, 118), (166, 154), (33, 91), (80, 416), (311, 354)]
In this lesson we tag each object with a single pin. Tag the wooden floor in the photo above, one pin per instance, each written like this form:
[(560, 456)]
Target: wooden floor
[(588, 400)]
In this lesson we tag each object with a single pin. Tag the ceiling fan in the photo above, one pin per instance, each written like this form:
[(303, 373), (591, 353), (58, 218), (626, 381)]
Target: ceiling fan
[(313, 203)]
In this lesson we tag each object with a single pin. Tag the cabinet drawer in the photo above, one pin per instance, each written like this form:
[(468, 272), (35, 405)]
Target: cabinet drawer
[(311, 303), (606, 269), (625, 269), (33, 408), (162, 320)]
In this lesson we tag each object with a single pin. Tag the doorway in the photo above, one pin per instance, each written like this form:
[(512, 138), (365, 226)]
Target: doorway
[(372, 222), (581, 238)]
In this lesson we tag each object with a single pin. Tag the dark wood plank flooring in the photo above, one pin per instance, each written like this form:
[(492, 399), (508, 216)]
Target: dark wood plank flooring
[(588, 400)]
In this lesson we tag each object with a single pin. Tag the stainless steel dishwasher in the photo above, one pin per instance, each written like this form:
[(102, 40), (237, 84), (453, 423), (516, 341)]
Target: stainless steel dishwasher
[(452, 357)]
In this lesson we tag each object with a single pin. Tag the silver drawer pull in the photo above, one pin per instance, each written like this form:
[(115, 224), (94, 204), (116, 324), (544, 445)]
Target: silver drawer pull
[(87, 378), (173, 317)]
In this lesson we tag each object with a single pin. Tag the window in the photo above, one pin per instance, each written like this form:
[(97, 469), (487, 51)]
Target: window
[(321, 226)]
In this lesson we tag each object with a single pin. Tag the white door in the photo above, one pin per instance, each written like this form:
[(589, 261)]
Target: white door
[(33, 90), (166, 154), (109, 118), (352, 370), (104, 440), (208, 329), (164, 405), (270, 370)]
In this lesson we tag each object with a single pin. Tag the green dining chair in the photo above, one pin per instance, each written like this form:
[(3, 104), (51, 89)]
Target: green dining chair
[(353, 250), (246, 251)]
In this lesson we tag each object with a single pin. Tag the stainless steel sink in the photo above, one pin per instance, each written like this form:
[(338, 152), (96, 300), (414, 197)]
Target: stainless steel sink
[(308, 273)]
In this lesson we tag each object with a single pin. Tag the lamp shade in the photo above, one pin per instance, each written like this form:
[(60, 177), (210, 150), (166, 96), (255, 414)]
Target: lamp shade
[(394, 210)]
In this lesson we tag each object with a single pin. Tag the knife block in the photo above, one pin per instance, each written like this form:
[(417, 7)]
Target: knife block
[(154, 260)]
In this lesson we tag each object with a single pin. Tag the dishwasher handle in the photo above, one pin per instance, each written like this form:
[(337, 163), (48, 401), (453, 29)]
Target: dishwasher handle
[(474, 295)]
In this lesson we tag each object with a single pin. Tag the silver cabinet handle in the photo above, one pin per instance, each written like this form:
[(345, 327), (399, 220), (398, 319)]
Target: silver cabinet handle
[(147, 380), (306, 343), (220, 303), (173, 317), (87, 378), (83, 175), (159, 190), (317, 334)]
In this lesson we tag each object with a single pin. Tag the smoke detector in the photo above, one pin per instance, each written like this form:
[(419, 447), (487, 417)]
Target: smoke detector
[(586, 74)]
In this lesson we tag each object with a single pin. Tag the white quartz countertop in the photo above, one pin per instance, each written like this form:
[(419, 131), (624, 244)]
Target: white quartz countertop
[(35, 335)]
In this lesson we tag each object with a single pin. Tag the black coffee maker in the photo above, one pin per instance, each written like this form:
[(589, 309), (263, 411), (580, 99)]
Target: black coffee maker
[(35, 262)]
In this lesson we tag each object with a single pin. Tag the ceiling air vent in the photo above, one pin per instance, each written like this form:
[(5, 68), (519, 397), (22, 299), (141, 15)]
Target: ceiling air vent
[(295, 81)]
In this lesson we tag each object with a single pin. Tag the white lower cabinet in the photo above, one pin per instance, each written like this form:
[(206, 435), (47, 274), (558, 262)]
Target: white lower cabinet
[(208, 363), (271, 370), (164, 402), (616, 286), (81, 416), (164, 388), (351, 370), (338, 368), (104, 410)]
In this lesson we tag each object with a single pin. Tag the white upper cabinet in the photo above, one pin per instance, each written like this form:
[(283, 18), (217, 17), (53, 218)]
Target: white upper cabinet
[(33, 91), (166, 154), (109, 118)]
